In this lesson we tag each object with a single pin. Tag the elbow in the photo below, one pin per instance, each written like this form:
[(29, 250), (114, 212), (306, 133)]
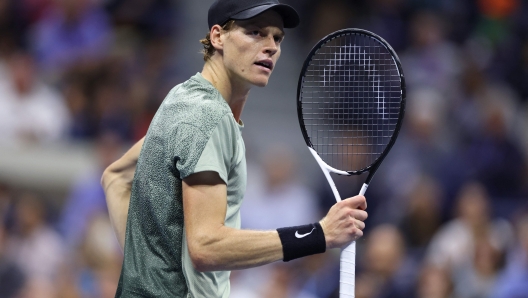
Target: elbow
[(105, 178), (199, 262), (108, 176), (202, 257), (116, 172)]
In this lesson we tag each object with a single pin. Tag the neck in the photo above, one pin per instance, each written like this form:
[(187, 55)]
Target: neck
[(233, 90)]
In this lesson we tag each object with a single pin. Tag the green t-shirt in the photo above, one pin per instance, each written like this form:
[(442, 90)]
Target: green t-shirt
[(193, 131)]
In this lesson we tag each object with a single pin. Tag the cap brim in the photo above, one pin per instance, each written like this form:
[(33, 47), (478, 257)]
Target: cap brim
[(289, 15)]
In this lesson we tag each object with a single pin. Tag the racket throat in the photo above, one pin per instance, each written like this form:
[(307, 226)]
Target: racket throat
[(326, 171), (363, 189)]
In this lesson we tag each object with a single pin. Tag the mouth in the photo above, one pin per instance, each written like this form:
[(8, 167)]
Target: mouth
[(267, 63)]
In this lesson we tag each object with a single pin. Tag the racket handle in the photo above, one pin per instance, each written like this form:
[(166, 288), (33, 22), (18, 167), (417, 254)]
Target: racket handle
[(347, 283), (347, 279)]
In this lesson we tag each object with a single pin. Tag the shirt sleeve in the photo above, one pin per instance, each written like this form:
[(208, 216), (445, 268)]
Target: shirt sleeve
[(218, 153)]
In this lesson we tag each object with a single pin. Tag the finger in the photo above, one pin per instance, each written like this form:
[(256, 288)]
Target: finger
[(356, 223), (357, 202), (359, 214), (357, 233), (363, 206), (359, 224)]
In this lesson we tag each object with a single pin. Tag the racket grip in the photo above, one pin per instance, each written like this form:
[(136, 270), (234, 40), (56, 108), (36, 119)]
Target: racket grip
[(347, 279), (347, 282)]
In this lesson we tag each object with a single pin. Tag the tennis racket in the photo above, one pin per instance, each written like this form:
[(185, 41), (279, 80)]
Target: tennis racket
[(350, 103)]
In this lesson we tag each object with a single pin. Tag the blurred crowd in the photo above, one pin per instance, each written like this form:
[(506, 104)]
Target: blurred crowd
[(78, 69), (448, 215)]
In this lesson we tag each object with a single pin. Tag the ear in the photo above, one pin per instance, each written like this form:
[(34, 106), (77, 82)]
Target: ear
[(216, 37)]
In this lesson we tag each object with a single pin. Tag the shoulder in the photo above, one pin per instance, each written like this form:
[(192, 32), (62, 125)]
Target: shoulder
[(190, 114), (196, 103), (202, 127)]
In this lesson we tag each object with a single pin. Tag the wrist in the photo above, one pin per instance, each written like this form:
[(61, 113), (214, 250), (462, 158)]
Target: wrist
[(322, 222), (301, 241)]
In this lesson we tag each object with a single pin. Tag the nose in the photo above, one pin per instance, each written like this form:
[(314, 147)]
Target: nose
[(271, 47)]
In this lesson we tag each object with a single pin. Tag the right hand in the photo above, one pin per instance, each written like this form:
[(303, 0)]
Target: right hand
[(344, 222)]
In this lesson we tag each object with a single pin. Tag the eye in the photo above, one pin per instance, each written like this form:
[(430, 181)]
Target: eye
[(254, 33), (278, 39)]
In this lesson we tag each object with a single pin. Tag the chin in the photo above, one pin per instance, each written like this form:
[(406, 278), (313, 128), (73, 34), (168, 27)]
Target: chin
[(261, 81)]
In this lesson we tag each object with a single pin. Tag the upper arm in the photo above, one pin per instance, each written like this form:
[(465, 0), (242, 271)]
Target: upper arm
[(204, 193), (204, 207), (205, 189)]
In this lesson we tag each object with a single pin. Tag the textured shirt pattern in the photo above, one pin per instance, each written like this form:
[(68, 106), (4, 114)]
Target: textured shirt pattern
[(156, 258)]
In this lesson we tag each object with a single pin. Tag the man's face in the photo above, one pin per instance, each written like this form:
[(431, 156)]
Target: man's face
[(252, 48)]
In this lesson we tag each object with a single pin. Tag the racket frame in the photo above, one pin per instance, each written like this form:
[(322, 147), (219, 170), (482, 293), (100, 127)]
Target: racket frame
[(348, 254), (374, 166)]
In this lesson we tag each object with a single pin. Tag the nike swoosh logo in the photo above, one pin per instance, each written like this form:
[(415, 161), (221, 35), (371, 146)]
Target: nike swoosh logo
[(303, 235)]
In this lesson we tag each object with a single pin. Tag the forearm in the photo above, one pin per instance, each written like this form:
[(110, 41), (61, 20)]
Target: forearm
[(215, 247), (117, 200), (231, 249)]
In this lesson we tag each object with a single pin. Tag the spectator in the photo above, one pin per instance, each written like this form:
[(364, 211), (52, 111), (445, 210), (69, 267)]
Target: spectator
[(431, 60), (478, 277), (148, 17), (385, 271), (271, 207), (493, 156), (82, 125), (319, 275), (101, 260), (513, 282), (422, 216), (387, 19), (328, 16), (423, 149), (111, 110), (35, 246), (434, 282), (13, 27), (454, 244), (12, 279), (73, 32), (30, 111), (86, 199), (152, 79)]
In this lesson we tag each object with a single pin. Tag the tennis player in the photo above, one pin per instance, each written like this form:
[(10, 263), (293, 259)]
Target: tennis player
[(183, 197)]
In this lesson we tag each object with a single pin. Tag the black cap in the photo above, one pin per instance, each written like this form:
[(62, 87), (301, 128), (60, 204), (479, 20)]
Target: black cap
[(224, 10)]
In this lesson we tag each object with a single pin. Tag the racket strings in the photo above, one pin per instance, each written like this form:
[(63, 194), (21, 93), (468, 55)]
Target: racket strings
[(350, 99)]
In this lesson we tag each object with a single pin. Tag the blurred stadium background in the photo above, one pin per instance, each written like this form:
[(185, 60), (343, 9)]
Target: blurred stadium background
[(81, 79)]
